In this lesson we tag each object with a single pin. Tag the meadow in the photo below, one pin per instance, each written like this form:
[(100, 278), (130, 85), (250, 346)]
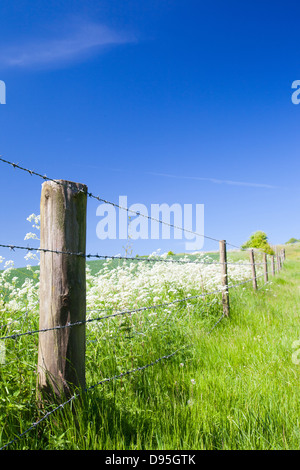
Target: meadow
[(230, 385)]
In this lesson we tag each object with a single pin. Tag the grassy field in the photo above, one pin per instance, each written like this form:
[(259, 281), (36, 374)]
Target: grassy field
[(235, 388)]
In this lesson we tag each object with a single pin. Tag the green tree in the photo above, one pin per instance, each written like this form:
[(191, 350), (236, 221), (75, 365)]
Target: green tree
[(292, 240), (259, 240)]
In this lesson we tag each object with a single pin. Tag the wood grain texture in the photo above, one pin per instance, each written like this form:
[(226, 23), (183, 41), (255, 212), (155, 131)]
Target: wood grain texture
[(61, 355)]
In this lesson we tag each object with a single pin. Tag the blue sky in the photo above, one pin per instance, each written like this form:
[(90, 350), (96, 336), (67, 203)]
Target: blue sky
[(183, 102)]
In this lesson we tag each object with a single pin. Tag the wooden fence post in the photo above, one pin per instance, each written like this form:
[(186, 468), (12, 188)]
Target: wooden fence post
[(252, 261), (278, 262), (224, 277), (61, 355), (273, 265), (265, 261)]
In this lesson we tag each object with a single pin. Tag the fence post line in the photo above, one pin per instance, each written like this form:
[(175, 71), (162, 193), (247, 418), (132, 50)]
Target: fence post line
[(273, 265), (61, 354), (224, 277), (265, 261), (252, 261)]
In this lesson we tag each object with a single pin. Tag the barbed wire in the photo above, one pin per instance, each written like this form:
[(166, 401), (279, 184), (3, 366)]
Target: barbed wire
[(125, 258), (124, 374), (217, 322), (76, 395), (127, 312), (98, 198), (115, 377), (119, 313), (264, 285), (241, 283), (14, 321), (124, 312)]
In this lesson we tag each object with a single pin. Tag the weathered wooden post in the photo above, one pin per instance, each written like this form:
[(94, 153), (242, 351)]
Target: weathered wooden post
[(278, 262), (252, 261), (273, 265), (224, 278), (61, 355), (265, 262)]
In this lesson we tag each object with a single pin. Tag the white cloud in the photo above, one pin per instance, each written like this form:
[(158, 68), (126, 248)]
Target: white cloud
[(199, 178), (218, 181), (82, 39)]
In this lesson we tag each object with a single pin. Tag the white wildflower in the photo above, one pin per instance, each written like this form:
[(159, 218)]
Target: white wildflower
[(31, 255), (9, 264), (30, 235)]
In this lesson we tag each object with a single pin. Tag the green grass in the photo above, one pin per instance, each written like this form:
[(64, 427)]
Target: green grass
[(236, 388)]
